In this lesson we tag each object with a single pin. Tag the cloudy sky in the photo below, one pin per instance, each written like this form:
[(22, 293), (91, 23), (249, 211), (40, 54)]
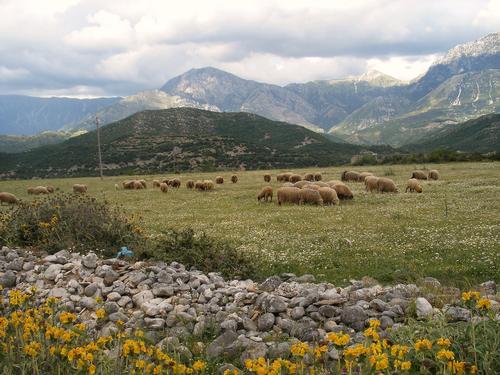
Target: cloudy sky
[(118, 47)]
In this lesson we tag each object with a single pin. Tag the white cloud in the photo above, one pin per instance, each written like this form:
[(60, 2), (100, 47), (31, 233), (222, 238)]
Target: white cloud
[(118, 46)]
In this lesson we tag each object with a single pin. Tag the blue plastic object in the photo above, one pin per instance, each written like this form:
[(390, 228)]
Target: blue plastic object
[(124, 252)]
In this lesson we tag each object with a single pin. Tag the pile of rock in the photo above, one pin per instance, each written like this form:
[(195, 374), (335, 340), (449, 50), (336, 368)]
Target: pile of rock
[(171, 303)]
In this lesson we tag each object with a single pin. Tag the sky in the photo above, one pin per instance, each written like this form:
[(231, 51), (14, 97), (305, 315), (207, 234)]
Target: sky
[(89, 48)]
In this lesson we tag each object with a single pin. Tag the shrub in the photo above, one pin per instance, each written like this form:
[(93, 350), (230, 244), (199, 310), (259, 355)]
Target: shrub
[(201, 252), (69, 221)]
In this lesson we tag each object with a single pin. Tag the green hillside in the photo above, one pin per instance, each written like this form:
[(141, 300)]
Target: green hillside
[(479, 135), (182, 139)]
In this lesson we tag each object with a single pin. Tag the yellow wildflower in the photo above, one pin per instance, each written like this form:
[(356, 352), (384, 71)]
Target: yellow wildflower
[(100, 314), (406, 365), (456, 367), (67, 317), (423, 344), (443, 342), (199, 365), (483, 304), (444, 354), (339, 339), (374, 323), (91, 369), (319, 350), (299, 349), (372, 333)]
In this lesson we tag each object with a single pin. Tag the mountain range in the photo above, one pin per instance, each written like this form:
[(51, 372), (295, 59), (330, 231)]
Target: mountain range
[(373, 108)]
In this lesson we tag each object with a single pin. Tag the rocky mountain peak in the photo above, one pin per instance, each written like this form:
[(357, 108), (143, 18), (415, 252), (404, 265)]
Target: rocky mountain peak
[(487, 45)]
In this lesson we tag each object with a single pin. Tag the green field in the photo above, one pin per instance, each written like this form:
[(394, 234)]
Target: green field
[(451, 231)]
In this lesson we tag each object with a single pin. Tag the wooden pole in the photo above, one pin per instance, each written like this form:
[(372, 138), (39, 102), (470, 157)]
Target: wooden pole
[(99, 146)]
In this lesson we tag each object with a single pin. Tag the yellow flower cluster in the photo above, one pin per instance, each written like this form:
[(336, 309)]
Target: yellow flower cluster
[(261, 366), (338, 339)]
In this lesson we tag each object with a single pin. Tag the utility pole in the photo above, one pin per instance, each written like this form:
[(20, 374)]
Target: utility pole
[(99, 145)]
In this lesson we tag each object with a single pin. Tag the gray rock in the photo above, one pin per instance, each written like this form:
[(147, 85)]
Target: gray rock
[(163, 290), (328, 311), (271, 283), (249, 324), (424, 308), (273, 304), (8, 279), (378, 305), (155, 323), (354, 316), (304, 279), (229, 324), (90, 290), (218, 347), (297, 313), (113, 297), (386, 322), (265, 322), (330, 326), (90, 260), (279, 350), (142, 297), (455, 314), (61, 293), (254, 351), (88, 303), (15, 265), (118, 315), (52, 272), (111, 307)]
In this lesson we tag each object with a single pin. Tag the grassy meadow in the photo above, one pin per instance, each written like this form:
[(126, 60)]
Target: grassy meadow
[(451, 231)]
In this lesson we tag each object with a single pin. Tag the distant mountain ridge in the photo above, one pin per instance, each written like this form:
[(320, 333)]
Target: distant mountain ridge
[(372, 108)]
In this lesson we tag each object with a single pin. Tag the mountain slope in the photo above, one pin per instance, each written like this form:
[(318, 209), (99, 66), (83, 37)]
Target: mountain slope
[(27, 115), (199, 140), (20, 143), (478, 135)]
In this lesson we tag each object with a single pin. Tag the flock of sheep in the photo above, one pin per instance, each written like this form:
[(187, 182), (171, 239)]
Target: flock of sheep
[(310, 189), (295, 188)]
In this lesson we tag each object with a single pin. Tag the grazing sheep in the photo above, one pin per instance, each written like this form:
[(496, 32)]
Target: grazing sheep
[(309, 177), (175, 183), (321, 184), (267, 177), (209, 184), (433, 174), (288, 184), (163, 187), (363, 175), (288, 195), (312, 187), (310, 196), (329, 196), (219, 180), (8, 198), (37, 190), (199, 185), (386, 185), (343, 191), (50, 189), (286, 176), (419, 175), (137, 185), (371, 183), (190, 184), (332, 183), (128, 184), (280, 177), (295, 178), (413, 185), (301, 184), (266, 193), (79, 188), (143, 183), (167, 181), (318, 176), (156, 183), (234, 179), (349, 176)]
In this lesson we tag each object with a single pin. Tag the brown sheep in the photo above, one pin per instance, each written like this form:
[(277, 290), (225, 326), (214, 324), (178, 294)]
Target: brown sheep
[(349, 176), (312, 187), (234, 179), (199, 185), (321, 184), (280, 177), (301, 184), (286, 176), (310, 196), (266, 193), (309, 177), (156, 183), (332, 183), (363, 175), (128, 184), (267, 177), (371, 183), (8, 198), (143, 183), (167, 181), (419, 175), (37, 190), (343, 191), (137, 185), (288, 184), (386, 185), (79, 188), (175, 183), (163, 187), (219, 180), (295, 178), (190, 184), (318, 176), (50, 189), (433, 174), (329, 196), (288, 195), (413, 185), (209, 184)]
